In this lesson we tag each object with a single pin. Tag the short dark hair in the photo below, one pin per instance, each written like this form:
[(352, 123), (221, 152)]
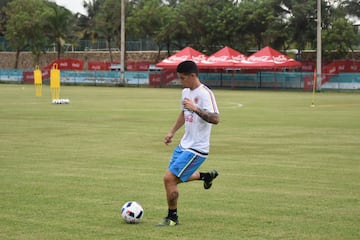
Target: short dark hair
[(187, 67)]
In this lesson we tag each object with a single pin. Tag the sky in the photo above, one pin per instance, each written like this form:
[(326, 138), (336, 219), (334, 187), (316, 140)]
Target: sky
[(73, 5)]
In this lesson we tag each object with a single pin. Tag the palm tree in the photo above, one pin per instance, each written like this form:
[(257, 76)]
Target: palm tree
[(87, 23), (60, 25)]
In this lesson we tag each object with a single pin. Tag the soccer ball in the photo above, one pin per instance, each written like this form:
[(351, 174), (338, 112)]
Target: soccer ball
[(132, 212)]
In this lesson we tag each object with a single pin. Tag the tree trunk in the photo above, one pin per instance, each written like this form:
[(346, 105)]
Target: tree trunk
[(17, 59), (110, 51), (58, 49), (36, 58)]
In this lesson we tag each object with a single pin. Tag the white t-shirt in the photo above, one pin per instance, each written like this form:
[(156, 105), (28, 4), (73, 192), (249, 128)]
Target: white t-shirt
[(197, 131)]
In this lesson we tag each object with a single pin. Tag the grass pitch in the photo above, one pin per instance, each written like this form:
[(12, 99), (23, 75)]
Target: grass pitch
[(287, 171)]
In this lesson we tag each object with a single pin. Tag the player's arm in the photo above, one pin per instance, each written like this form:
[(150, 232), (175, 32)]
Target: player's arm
[(178, 124), (209, 117)]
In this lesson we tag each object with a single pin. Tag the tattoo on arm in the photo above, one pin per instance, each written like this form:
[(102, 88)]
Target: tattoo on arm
[(208, 116)]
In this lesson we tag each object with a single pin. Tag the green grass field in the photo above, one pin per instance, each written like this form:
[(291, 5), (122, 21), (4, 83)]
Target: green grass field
[(287, 171)]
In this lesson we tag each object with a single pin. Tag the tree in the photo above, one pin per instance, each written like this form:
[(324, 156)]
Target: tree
[(339, 39), (108, 24), (352, 7), (264, 21), (86, 24), (59, 25), (25, 27), (2, 16), (231, 27), (166, 35), (149, 20), (204, 32)]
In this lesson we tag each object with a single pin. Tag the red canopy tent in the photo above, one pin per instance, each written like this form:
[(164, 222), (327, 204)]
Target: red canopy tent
[(224, 58), (268, 58), (187, 53)]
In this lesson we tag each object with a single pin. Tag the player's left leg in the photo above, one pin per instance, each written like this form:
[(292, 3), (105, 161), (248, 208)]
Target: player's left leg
[(172, 195)]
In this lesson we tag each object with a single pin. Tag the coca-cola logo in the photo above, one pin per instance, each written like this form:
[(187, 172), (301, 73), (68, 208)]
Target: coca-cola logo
[(184, 58), (280, 58), (155, 79), (275, 59), (259, 59), (332, 70), (238, 58), (198, 58), (226, 58), (170, 76), (218, 59), (95, 67)]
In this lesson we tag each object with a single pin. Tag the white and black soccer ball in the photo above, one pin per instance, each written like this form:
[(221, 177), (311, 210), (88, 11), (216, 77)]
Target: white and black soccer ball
[(132, 212)]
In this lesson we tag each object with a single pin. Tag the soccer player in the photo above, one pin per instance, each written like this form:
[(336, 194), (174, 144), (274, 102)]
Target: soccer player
[(198, 113)]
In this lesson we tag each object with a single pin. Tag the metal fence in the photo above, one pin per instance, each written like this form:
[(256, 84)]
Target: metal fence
[(260, 80), (256, 80), (96, 45)]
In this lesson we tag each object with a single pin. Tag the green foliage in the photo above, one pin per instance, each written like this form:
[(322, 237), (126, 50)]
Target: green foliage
[(287, 171), (352, 7), (302, 24), (26, 24), (107, 22), (34, 24), (341, 37), (59, 25), (206, 25), (87, 23), (146, 19)]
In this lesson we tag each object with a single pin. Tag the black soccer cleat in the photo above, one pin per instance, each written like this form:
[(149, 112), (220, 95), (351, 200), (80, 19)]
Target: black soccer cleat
[(208, 182)]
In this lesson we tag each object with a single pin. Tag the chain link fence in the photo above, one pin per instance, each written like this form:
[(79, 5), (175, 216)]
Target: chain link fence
[(260, 80), (96, 45)]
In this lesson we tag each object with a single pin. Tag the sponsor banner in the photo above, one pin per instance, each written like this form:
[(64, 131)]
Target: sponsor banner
[(131, 66), (137, 65), (334, 67), (67, 64), (161, 78), (99, 66), (28, 76), (342, 66)]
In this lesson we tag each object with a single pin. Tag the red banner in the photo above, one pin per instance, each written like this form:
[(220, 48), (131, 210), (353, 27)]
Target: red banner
[(138, 65), (28, 77), (99, 66), (67, 64), (342, 66), (334, 67), (161, 78)]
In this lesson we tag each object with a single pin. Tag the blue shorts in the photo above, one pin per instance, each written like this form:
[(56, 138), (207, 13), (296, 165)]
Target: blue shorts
[(184, 163)]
